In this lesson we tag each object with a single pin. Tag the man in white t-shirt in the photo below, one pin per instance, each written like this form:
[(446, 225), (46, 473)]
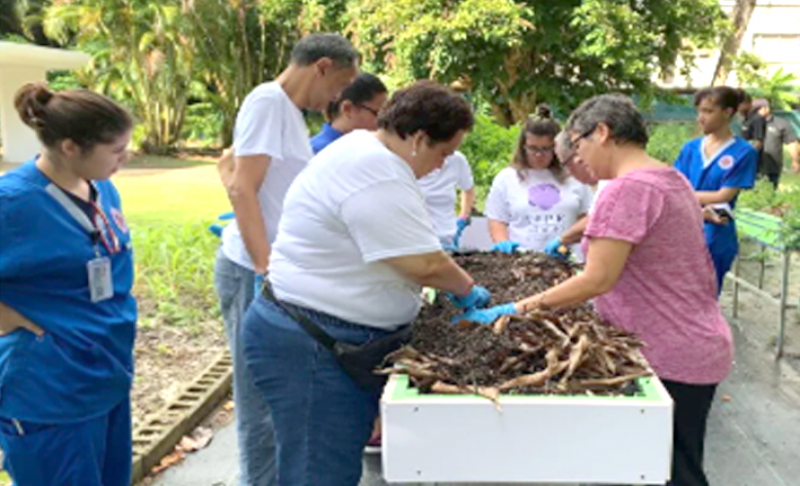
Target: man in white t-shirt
[(271, 147), (580, 171), (439, 188)]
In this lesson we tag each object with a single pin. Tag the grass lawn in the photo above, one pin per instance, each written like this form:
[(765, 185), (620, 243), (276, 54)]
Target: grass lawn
[(168, 190)]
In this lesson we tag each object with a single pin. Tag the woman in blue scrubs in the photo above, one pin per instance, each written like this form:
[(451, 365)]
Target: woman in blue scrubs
[(67, 316), (718, 165)]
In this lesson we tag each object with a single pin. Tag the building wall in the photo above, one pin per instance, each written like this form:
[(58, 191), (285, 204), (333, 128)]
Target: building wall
[(773, 33)]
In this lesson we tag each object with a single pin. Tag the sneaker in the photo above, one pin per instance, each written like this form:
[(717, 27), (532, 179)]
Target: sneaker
[(374, 445)]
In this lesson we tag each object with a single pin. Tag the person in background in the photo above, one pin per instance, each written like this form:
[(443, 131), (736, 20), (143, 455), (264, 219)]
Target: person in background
[(718, 165), (357, 108), (779, 133), (355, 246), (754, 126), (577, 168), (67, 315), (440, 188), (647, 270), (271, 147), (534, 200)]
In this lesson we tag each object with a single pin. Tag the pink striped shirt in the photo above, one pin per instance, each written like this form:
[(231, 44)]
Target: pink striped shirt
[(667, 291)]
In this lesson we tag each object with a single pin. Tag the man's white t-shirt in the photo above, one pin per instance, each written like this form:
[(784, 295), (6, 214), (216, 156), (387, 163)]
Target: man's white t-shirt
[(537, 208), (355, 205), (268, 123), (439, 188)]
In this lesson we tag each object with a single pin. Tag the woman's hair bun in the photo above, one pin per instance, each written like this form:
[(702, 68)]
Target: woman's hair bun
[(31, 104)]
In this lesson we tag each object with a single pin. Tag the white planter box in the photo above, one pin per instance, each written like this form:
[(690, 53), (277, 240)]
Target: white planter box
[(531, 439)]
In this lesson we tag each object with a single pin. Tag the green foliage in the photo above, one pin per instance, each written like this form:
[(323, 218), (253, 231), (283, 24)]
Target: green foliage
[(780, 88), (488, 148), (174, 273), (667, 139), (516, 54), (784, 203), (142, 55)]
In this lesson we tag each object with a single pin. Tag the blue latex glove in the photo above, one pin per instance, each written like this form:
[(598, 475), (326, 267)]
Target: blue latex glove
[(486, 316), (507, 246), (450, 248), (259, 282), (553, 246), (477, 297), (461, 224)]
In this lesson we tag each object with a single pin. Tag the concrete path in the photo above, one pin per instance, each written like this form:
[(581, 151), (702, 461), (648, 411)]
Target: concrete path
[(753, 437)]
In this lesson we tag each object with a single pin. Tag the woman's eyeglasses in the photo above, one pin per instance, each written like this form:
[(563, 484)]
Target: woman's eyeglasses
[(575, 142), (371, 110), (539, 150)]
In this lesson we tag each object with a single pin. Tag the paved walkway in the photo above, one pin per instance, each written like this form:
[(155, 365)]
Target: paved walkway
[(753, 438)]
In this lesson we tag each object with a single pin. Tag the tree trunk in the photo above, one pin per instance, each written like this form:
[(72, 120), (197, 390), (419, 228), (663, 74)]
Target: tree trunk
[(742, 12)]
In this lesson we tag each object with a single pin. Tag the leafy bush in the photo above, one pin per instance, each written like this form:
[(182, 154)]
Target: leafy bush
[(666, 140), (784, 203), (489, 148), (174, 274)]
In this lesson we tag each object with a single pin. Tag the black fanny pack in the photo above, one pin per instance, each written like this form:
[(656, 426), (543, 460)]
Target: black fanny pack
[(358, 361)]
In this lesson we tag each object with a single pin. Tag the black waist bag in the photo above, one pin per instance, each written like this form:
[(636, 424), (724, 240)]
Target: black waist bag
[(358, 361)]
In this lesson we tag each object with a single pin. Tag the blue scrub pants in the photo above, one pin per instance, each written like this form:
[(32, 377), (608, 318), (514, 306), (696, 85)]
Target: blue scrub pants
[(723, 245), (96, 452)]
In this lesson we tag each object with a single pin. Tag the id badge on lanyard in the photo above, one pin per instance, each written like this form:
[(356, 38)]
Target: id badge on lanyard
[(101, 284)]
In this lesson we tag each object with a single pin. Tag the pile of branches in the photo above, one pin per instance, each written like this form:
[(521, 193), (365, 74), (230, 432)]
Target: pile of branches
[(566, 352)]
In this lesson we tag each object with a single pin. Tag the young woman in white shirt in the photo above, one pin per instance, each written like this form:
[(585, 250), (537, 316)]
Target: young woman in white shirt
[(535, 199)]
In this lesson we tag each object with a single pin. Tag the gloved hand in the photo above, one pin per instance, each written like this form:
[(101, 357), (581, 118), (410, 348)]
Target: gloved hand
[(450, 248), (461, 224), (556, 248), (507, 246), (259, 282), (477, 297), (486, 316)]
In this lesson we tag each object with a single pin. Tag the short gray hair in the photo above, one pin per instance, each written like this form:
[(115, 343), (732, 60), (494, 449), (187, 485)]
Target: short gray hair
[(617, 111), (314, 47), (564, 149)]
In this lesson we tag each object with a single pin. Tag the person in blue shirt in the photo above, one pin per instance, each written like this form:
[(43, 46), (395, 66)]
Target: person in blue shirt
[(718, 165), (67, 316), (357, 108)]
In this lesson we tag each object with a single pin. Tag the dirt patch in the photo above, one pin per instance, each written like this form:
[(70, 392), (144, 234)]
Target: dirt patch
[(571, 351), (169, 358)]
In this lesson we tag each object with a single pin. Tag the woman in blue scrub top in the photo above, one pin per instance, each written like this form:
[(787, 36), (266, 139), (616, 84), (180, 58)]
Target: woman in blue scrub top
[(67, 316), (718, 165)]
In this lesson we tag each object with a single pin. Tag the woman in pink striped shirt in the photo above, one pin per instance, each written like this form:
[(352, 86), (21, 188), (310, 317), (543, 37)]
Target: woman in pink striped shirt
[(648, 270)]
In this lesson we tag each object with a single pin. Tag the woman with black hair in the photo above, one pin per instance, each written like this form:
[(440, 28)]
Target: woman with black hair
[(535, 199), (718, 165)]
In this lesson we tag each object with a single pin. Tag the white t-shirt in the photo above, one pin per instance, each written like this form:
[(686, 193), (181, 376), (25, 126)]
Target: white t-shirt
[(268, 123), (357, 204), (537, 208), (439, 188), (597, 189)]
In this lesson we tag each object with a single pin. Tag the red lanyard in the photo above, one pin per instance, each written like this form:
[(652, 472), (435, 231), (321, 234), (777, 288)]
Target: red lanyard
[(112, 243)]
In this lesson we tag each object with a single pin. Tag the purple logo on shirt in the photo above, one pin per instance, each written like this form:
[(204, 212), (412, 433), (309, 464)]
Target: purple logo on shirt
[(544, 195)]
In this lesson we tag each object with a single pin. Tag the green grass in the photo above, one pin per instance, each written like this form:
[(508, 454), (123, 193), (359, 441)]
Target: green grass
[(168, 204)]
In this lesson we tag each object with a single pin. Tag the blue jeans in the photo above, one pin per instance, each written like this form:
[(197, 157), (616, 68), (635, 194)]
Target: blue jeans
[(95, 452), (234, 285), (322, 418)]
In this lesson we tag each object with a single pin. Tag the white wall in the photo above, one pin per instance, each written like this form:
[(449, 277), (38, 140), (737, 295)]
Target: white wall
[(773, 33), (19, 141)]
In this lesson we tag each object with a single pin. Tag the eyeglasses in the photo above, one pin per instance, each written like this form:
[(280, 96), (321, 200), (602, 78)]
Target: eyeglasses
[(371, 110), (575, 142), (539, 150)]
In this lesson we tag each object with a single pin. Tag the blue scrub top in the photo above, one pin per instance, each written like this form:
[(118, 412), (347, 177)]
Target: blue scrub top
[(83, 366), (325, 137), (734, 165)]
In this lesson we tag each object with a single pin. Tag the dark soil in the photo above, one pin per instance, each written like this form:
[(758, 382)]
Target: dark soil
[(572, 350)]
